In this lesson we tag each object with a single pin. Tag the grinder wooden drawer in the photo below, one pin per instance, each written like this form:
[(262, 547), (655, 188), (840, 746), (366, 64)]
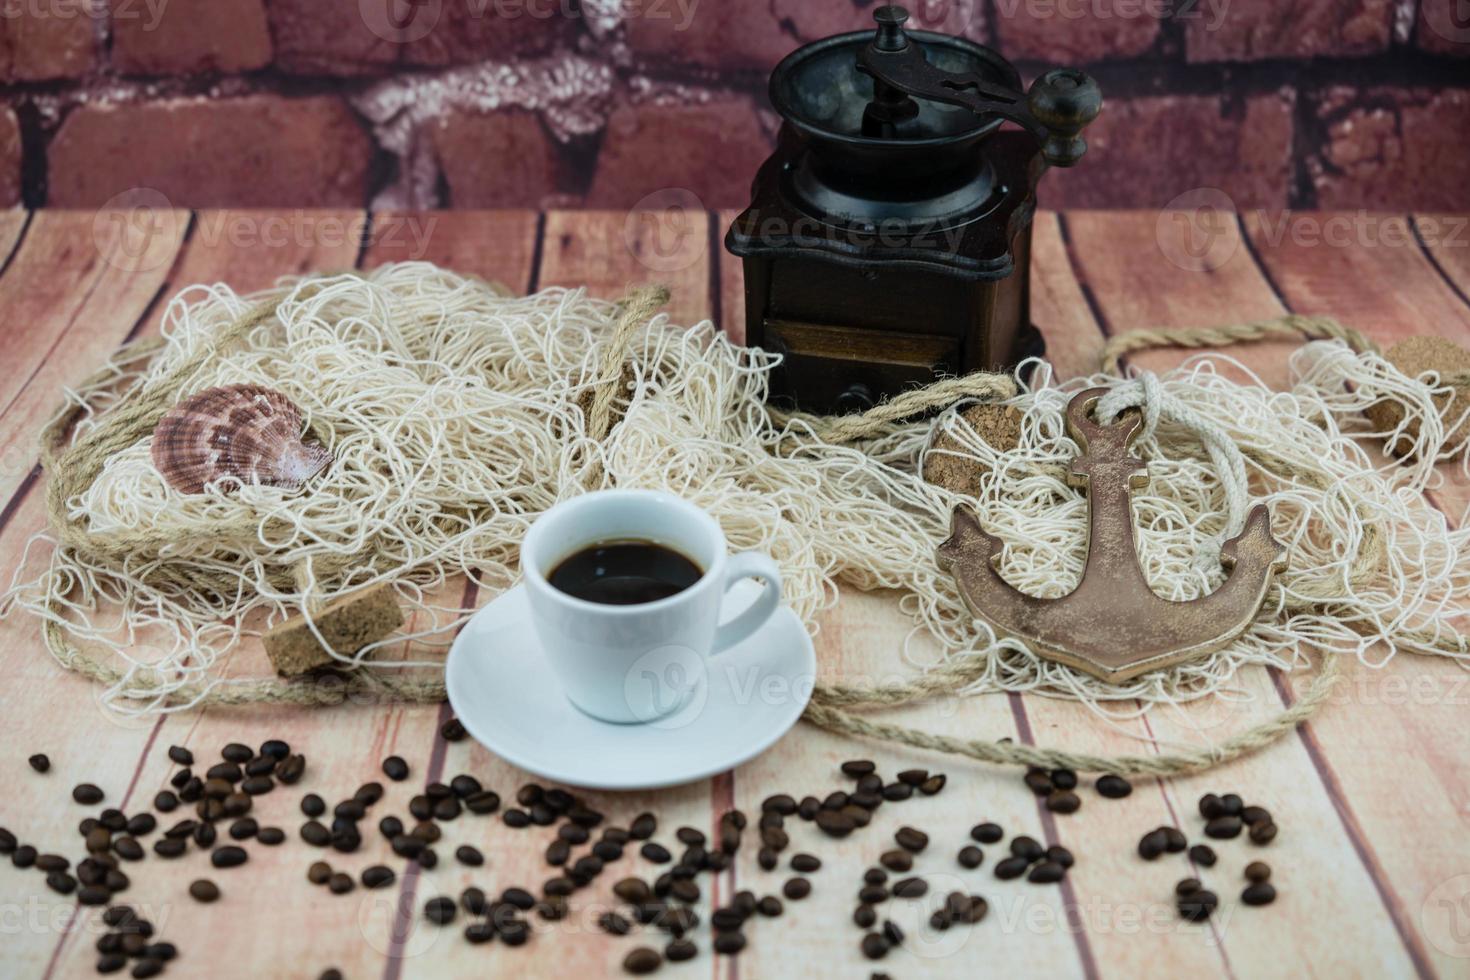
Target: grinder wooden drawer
[(844, 369)]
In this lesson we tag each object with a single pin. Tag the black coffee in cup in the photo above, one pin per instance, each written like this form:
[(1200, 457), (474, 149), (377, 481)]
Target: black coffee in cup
[(624, 572)]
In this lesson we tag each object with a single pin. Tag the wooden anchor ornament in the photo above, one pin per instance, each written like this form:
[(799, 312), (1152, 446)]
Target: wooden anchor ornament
[(1113, 625)]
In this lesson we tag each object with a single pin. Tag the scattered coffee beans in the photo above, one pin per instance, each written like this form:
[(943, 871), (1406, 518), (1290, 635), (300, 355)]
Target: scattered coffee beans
[(204, 890), (1113, 787), (40, 762)]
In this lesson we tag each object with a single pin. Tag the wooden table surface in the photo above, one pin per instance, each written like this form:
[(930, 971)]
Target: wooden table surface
[(1372, 797)]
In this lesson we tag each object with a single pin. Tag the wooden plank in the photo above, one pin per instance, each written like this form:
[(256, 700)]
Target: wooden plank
[(608, 251), (1135, 283), (12, 229), (1397, 730), (1058, 304), (72, 293), (137, 753), (486, 243)]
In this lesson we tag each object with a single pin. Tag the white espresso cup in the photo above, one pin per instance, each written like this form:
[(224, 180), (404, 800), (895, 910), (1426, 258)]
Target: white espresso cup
[(639, 662)]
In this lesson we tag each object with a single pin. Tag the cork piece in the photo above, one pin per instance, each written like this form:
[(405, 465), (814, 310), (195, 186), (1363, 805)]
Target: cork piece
[(1414, 357), (348, 624), (998, 425)]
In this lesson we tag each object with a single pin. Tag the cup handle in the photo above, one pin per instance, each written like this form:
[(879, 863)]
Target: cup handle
[(749, 564)]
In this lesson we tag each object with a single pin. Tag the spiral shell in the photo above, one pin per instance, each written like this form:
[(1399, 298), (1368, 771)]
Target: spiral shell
[(235, 435)]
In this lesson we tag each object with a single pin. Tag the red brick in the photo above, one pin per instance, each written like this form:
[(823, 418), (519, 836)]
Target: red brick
[(1394, 148), (45, 41), (1255, 29), (1144, 152), (743, 36), (1073, 32), (189, 37), (1444, 27), (331, 37), (258, 151), (710, 148), (9, 158), (497, 160), (480, 30)]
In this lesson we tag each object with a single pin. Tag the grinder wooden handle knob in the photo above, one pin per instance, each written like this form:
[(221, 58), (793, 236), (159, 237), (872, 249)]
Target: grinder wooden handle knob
[(1064, 100)]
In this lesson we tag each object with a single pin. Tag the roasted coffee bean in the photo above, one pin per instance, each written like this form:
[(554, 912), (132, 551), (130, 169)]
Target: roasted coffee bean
[(1210, 806), (40, 762), (228, 856), (858, 767), (479, 932), (679, 950), (1064, 778), (146, 968), (439, 910), (1197, 905), (607, 851), (115, 881), (226, 772), (875, 876), (1039, 781), (614, 924), (244, 828), (871, 783), (1259, 893), (180, 778), (1046, 872), (808, 808), (796, 888), (160, 951), (274, 748), (858, 815), (115, 916), (864, 916), (971, 857), (987, 833), (729, 943), (512, 817), (464, 786), (518, 897), (165, 801), (291, 769), (90, 872), (128, 849), (271, 836), (1231, 805), (315, 834), (781, 803), (1255, 815), (235, 805), (775, 838), (483, 802), (98, 839), (1152, 844), (933, 784), (874, 946), (237, 752), (767, 859), (910, 888), (111, 962), (1011, 867), (1174, 839), (62, 883), (872, 894), (589, 866), (180, 755), (1258, 871), (472, 900), (940, 919), (260, 766), (642, 960), (688, 835), (867, 800), (892, 932), (656, 853), (428, 832), (205, 835), (378, 876), (87, 794), (191, 790), (633, 890), (911, 840), (349, 810), (685, 890), (113, 819), (897, 792), (169, 847), (529, 795), (1224, 827), (408, 846), (1113, 787), (1202, 855), (452, 730), (805, 863), (557, 853), (395, 768), (1060, 855), (769, 906), (1027, 847), (313, 805), (204, 890), (1063, 801), (541, 815), (469, 856), (1263, 833), (1187, 886), (896, 860), (257, 785), (643, 826), (340, 883), (142, 824), (559, 800)]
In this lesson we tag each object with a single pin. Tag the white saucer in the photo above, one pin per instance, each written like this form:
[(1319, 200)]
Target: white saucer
[(503, 691)]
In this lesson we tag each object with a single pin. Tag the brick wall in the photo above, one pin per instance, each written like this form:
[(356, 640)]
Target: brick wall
[(488, 103)]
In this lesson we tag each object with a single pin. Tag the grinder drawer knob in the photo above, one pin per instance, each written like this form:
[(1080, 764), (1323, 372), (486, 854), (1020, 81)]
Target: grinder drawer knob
[(857, 398)]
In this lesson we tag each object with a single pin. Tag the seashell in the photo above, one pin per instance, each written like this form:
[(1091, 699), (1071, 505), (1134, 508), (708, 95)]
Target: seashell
[(235, 435)]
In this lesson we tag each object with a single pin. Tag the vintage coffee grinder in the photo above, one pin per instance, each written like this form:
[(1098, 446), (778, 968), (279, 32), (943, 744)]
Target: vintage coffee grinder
[(888, 238)]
